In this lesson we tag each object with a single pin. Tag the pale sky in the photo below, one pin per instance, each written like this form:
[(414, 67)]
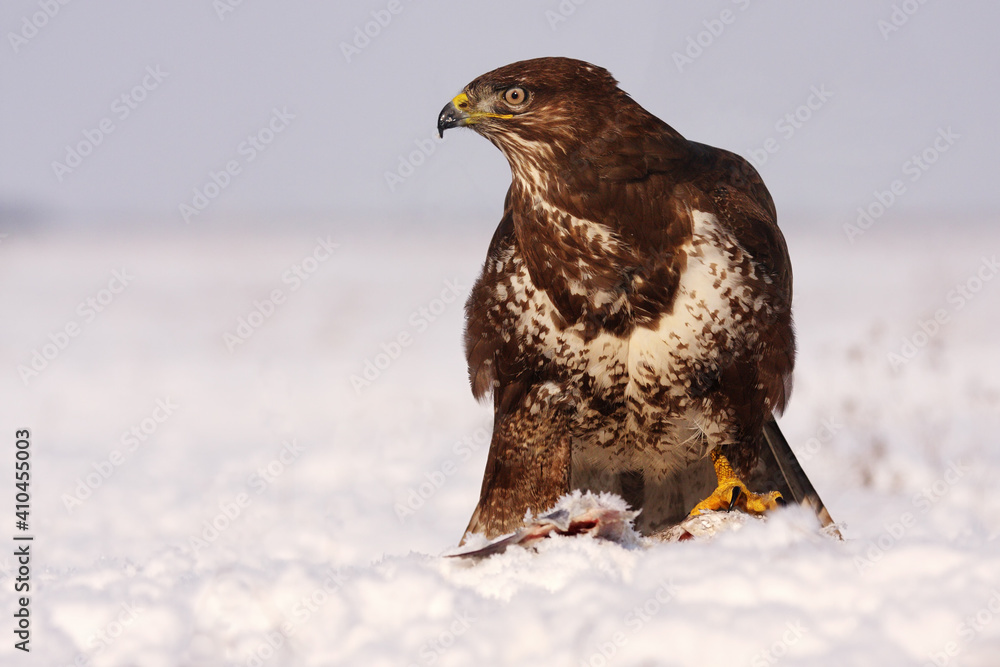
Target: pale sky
[(298, 113)]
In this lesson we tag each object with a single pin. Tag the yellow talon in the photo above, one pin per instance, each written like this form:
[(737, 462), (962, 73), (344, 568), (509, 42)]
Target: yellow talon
[(732, 493)]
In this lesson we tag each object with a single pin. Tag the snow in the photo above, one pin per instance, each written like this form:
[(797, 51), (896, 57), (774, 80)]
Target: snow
[(333, 506)]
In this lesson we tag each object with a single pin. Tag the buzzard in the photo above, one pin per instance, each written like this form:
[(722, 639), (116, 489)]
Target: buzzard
[(632, 322)]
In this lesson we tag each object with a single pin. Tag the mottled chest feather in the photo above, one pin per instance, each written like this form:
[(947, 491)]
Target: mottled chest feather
[(640, 378)]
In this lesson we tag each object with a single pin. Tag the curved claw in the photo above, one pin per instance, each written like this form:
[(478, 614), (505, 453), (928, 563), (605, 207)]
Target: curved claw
[(732, 493), (737, 492)]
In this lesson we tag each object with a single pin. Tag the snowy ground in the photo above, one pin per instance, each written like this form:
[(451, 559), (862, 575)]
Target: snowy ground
[(268, 511)]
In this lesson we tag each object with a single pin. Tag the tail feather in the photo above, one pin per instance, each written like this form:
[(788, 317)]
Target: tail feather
[(793, 482)]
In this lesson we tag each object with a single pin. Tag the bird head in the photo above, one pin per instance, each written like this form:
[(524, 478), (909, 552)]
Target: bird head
[(537, 107)]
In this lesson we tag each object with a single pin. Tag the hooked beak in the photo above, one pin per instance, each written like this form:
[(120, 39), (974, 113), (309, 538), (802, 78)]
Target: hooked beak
[(454, 114)]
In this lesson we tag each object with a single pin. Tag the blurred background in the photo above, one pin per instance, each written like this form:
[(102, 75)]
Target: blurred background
[(360, 84)]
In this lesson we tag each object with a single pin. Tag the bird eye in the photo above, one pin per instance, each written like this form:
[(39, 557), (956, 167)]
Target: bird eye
[(515, 96)]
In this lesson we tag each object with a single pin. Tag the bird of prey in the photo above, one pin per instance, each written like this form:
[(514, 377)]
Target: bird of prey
[(632, 321)]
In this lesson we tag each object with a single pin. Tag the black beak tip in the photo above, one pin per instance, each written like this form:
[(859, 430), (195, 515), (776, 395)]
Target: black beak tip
[(448, 118)]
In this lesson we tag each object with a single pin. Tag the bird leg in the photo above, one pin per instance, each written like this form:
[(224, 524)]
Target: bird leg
[(732, 493)]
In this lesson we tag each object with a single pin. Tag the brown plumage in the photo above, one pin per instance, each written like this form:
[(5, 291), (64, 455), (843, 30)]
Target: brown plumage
[(634, 309)]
